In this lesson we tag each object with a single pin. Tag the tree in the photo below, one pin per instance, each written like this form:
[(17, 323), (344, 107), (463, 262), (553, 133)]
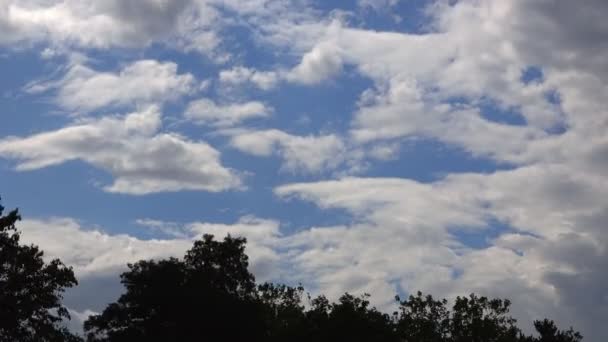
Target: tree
[(473, 318), (479, 319), (423, 319), (284, 312), (30, 289), (351, 319), (209, 294), (550, 333)]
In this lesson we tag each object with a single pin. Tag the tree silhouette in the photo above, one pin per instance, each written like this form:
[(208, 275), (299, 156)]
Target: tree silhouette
[(479, 319), (211, 296), (550, 333), (350, 319), (30, 289), (284, 312), (423, 319)]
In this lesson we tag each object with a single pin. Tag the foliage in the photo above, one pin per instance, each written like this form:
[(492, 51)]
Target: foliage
[(422, 318), (30, 289), (210, 295)]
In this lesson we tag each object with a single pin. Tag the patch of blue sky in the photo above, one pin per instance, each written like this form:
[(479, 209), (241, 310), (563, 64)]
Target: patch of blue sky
[(65, 190), (500, 114), (553, 97), (74, 189), (480, 237), (535, 74), (429, 160), (23, 113), (325, 107), (492, 111), (532, 74), (192, 62), (402, 16)]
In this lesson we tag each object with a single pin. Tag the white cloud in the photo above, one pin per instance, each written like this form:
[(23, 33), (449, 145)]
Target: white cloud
[(131, 149), (98, 257), (113, 23), (264, 80), (403, 238), (456, 84), (146, 81), (263, 239), (377, 5), (321, 63), (187, 25), (206, 111), (437, 85), (93, 252), (300, 153)]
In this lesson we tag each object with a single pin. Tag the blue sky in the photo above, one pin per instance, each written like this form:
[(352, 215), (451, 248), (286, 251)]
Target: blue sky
[(380, 146)]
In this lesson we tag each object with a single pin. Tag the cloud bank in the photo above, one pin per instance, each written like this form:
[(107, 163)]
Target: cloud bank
[(516, 85)]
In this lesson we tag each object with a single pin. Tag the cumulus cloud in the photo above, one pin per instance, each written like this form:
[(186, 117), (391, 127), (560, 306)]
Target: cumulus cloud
[(405, 238), (206, 111), (93, 252), (131, 149), (377, 4), (187, 25), (142, 82), (239, 75), (299, 153), (321, 63), (460, 83), (552, 203), (98, 257), (112, 23)]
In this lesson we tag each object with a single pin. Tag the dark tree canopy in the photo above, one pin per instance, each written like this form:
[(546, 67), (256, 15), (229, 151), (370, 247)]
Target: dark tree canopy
[(30, 289), (211, 296), (350, 319)]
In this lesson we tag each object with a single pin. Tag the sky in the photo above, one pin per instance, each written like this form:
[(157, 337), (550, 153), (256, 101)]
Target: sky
[(380, 146)]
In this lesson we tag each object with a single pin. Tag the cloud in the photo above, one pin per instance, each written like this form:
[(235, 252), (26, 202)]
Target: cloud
[(377, 5), (398, 236), (405, 111), (113, 23), (239, 75), (187, 25), (405, 236), (131, 149), (98, 257), (94, 252), (311, 153), (321, 59), (460, 83), (319, 64), (142, 82), (552, 203), (206, 111)]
